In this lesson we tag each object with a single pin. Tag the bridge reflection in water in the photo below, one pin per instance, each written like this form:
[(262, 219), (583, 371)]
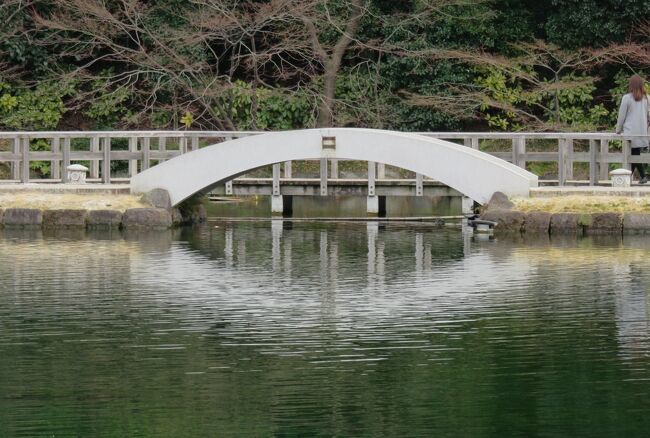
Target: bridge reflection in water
[(469, 272), (292, 326)]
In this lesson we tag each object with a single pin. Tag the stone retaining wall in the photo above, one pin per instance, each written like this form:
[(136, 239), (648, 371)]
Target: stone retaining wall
[(134, 218), (501, 211), (159, 216)]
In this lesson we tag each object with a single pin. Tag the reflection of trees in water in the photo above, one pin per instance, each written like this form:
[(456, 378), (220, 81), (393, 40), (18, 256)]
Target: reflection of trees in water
[(632, 311)]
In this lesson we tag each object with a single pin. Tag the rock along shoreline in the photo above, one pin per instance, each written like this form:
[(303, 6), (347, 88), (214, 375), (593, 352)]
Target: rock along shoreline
[(502, 211), (133, 218), (159, 216)]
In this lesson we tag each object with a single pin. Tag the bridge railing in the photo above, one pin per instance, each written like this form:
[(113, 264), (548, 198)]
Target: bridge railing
[(142, 149)]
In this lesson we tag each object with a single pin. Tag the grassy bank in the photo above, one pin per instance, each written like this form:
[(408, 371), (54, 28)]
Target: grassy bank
[(584, 204), (58, 201)]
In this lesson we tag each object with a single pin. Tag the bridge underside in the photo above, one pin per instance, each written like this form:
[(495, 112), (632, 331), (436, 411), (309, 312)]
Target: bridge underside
[(335, 187)]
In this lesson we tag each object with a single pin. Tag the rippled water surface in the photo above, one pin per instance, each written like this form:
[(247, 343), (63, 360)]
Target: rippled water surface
[(307, 329)]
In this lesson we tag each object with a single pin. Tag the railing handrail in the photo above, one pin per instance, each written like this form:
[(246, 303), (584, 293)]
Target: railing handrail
[(438, 134)]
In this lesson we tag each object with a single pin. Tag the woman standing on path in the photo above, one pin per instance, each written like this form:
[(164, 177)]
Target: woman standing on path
[(633, 120)]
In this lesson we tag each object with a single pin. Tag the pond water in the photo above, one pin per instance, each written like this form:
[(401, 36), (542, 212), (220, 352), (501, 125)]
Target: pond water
[(276, 328)]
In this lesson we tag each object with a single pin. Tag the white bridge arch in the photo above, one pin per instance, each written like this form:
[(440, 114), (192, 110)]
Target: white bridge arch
[(475, 174)]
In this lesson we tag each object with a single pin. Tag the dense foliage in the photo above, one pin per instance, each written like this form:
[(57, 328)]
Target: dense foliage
[(280, 64)]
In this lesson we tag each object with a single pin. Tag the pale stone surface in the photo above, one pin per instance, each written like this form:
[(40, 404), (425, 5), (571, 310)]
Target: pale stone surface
[(76, 174), (467, 205), (158, 198), (476, 174), (64, 218), (636, 223), (45, 200), (147, 218), (499, 201), (537, 222), (104, 219), (605, 223), (23, 217), (277, 204), (372, 205), (621, 178), (565, 223)]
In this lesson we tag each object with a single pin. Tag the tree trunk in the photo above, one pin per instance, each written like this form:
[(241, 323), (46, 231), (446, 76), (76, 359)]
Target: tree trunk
[(326, 107)]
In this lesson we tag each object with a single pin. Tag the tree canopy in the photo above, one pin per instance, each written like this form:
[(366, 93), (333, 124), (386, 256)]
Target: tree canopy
[(412, 65)]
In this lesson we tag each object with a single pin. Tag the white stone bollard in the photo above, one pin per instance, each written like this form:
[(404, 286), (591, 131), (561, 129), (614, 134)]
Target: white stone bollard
[(77, 174), (621, 177)]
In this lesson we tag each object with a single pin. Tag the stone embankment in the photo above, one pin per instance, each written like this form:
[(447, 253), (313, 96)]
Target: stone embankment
[(152, 211), (509, 219)]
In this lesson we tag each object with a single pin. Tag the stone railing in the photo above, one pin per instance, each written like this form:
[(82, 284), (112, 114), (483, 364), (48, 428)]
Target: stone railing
[(142, 149)]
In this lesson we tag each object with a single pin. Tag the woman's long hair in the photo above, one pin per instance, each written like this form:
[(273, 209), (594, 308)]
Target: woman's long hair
[(636, 87)]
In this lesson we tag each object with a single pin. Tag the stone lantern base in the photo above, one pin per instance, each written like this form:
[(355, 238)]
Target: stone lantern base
[(621, 178), (77, 174)]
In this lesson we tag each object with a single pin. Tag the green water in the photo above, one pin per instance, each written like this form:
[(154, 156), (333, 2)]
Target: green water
[(311, 329)]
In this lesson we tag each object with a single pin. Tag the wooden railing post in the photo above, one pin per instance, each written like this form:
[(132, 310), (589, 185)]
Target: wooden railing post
[(94, 164), (133, 148), (195, 143), (162, 147), (603, 166), (287, 169), (106, 162), (593, 163), (561, 162), (66, 159), (24, 173), (569, 158), (519, 151), (146, 153), (55, 165), (475, 143), (15, 165)]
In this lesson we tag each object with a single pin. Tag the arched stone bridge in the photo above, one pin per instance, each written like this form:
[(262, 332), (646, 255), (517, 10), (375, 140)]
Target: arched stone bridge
[(473, 173)]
